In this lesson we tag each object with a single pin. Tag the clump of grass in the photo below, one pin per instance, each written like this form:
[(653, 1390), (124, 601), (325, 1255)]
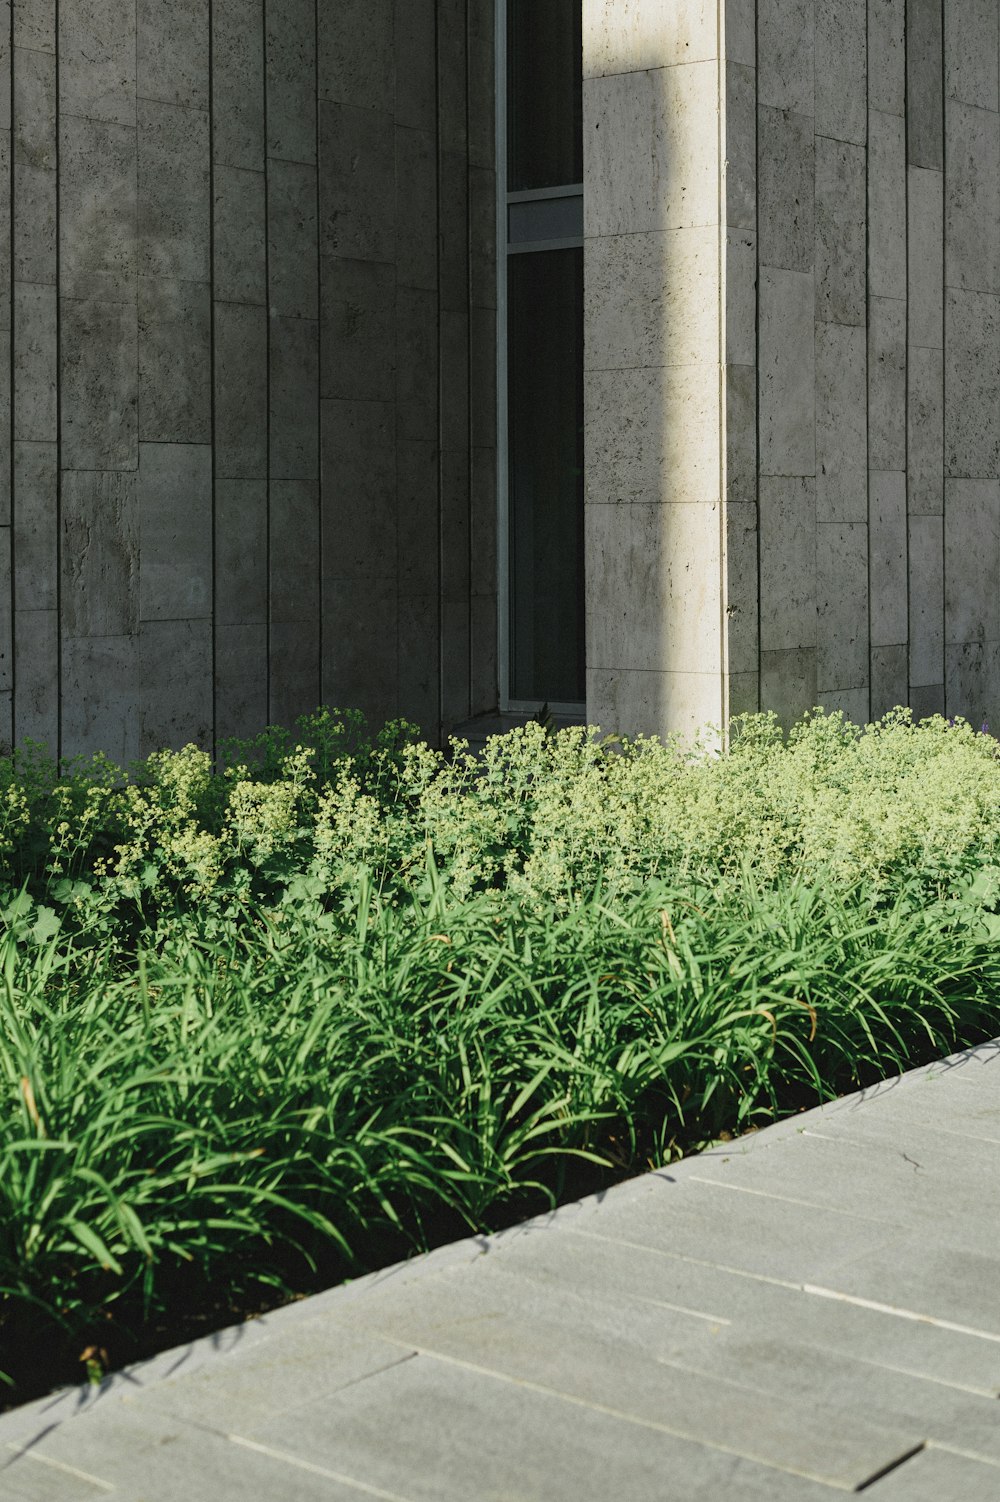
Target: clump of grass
[(263, 1026)]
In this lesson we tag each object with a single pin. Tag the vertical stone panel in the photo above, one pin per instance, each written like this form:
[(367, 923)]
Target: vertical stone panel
[(293, 300), (240, 394)]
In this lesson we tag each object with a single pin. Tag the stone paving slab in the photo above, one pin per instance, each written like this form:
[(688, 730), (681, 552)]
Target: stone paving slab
[(787, 1318)]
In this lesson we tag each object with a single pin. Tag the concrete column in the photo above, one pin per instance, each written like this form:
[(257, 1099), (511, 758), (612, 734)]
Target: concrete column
[(971, 361), (887, 369), (35, 467), (98, 374), (239, 311), (175, 374), (293, 359), (657, 346), (362, 241)]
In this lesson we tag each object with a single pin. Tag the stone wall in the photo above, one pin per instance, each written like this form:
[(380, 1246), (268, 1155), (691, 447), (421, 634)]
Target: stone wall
[(793, 489), (250, 304)]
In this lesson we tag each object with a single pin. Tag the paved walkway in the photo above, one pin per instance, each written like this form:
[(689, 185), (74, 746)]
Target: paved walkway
[(812, 1310)]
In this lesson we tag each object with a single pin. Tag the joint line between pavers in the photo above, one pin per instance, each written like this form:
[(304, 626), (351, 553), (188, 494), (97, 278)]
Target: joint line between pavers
[(786, 1199), (912, 1314), (316, 1470), (25, 1452)]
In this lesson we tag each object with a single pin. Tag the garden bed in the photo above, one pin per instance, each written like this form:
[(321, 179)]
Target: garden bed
[(272, 1024)]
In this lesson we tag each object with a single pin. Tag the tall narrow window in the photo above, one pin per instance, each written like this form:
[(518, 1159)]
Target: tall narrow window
[(542, 268)]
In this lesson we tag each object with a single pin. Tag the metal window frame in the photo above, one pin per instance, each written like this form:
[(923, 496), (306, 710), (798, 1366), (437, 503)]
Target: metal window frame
[(507, 704)]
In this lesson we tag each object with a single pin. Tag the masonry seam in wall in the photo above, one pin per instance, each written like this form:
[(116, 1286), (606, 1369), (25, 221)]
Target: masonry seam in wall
[(267, 367), (867, 304), (59, 384), (12, 518), (213, 646), (440, 382), (320, 507)]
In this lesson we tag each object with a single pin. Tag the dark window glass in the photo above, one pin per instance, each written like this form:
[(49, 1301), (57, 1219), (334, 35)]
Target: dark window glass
[(545, 429), (544, 93)]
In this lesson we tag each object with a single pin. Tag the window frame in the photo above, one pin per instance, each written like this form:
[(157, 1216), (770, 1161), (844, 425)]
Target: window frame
[(504, 249)]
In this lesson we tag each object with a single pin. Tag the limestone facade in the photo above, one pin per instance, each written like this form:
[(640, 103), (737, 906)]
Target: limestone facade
[(248, 341)]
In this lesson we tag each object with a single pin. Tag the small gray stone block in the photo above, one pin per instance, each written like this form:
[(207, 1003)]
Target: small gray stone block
[(175, 512), (359, 491), (889, 679), (175, 211), (842, 71), (841, 606), (99, 391), (654, 434), (34, 166), (886, 57), (358, 336), (453, 232), (841, 418), (886, 206), (416, 518), (649, 163), (936, 1476), (652, 299), (887, 559), (787, 563), (357, 183), (240, 698), (100, 703), (294, 670), (238, 84), (35, 25), (172, 52), (98, 210), (924, 94), (175, 361), (925, 432), (240, 245), (240, 552), (416, 360), (482, 364), (294, 399), (971, 47), (740, 165), (972, 561), (787, 363), (482, 65), (175, 685), (452, 106), (416, 253), (841, 213), (740, 586), (36, 527), (741, 432), (126, 1449), (927, 700), (972, 380), (36, 677), (291, 80), (419, 693), (5, 429), (972, 680), (886, 383), (6, 635), (416, 69), (360, 665), (294, 525), (357, 59), (97, 60), (853, 703), (293, 266), (786, 51), (925, 232), (240, 391), (583, 1442), (972, 198), (35, 356), (100, 554), (786, 169), (926, 561)]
